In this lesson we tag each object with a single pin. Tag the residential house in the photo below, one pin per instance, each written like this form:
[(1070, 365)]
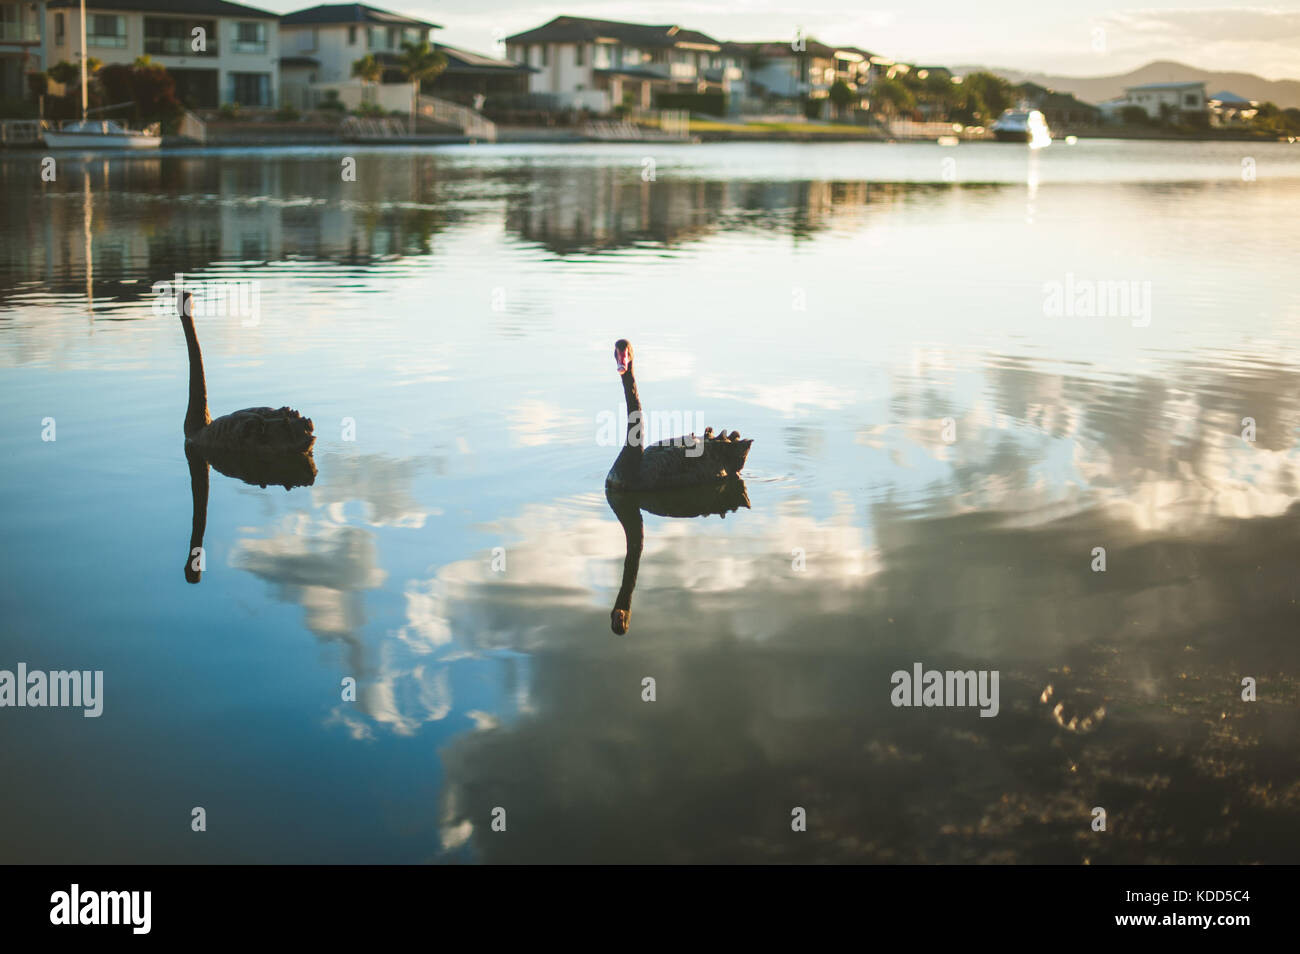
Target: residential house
[(599, 64), (319, 45), (1168, 100), (21, 49), (217, 51), (1229, 109), (779, 71), (802, 72), (329, 38), (472, 78)]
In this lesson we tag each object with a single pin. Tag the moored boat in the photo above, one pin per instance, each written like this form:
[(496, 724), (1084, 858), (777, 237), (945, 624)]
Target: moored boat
[(101, 134), (1022, 125)]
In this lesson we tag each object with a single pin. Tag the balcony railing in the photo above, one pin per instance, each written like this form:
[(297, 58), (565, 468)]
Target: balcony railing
[(176, 46), (19, 32)]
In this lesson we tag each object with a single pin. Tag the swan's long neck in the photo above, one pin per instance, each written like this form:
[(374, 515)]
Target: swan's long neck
[(199, 520), (635, 424), (634, 530), (629, 515), (629, 458), (196, 415)]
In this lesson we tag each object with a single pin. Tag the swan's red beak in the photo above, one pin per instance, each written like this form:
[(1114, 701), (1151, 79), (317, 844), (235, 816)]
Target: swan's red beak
[(620, 357)]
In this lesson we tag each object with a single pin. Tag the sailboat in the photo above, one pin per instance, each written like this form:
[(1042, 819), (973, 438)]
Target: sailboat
[(97, 133)]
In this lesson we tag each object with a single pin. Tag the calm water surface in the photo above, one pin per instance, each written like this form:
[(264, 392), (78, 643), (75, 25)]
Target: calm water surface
[(847, 306)]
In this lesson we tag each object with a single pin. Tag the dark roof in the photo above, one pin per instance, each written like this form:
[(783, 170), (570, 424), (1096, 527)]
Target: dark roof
[(351, 13), (212, 8), (780, 49), (567, 29), (1183, 85), (632, 72), (464, 61)]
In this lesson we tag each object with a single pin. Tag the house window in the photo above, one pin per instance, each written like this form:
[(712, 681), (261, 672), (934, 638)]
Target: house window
[(352, 36), (250, 89), (546, 54), (1190, 99), (104, 29), (250, 37), (412, 36), (392, 38), (59, 27), (308, 39), (579, 52)]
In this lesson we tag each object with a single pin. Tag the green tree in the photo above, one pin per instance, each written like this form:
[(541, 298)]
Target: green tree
[(842, 96), (64, 72), (939, 92), (147, 86), (892, 96), (368, 69), (988, 95), (420, 62)]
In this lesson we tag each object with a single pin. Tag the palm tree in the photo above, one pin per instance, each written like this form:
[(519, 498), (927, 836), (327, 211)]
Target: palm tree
[(369, 69), (420, 62)]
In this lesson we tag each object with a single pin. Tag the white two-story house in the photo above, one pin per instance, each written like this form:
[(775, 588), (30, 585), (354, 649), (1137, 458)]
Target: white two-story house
[(217, 52), (590, 64), (319, 45), (1167, 100)]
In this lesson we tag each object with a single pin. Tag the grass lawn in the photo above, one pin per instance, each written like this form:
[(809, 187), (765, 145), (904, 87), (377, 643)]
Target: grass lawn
[(840, 129)]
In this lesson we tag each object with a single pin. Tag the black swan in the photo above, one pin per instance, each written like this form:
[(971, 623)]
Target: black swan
[(257, 445), (721, 498), (252, 431), (688, 461)]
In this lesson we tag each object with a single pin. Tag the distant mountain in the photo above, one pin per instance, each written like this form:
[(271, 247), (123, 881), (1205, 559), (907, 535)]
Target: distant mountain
[(1095, 89)]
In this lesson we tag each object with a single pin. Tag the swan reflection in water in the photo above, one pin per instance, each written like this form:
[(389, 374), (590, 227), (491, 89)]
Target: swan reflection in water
[(289, 471), (719, 498), (258, 445)]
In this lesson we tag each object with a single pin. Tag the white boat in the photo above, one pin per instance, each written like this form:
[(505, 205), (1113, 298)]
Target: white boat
[(101, 134), (1022, 125)]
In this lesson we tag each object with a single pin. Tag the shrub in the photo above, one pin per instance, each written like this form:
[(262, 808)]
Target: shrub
[(711, 104), (1134, 115)]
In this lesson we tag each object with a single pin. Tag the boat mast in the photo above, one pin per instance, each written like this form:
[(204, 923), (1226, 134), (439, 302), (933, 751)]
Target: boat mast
[(83, 60)]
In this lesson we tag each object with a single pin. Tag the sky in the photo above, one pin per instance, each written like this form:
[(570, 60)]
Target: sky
[(1062, 37)]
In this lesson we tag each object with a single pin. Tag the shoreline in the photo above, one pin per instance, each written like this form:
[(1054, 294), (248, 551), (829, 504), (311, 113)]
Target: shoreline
[(317, 136)]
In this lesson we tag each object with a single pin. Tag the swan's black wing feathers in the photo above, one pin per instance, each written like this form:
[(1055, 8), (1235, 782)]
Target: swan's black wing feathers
[(691, 460), (257, 430)]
